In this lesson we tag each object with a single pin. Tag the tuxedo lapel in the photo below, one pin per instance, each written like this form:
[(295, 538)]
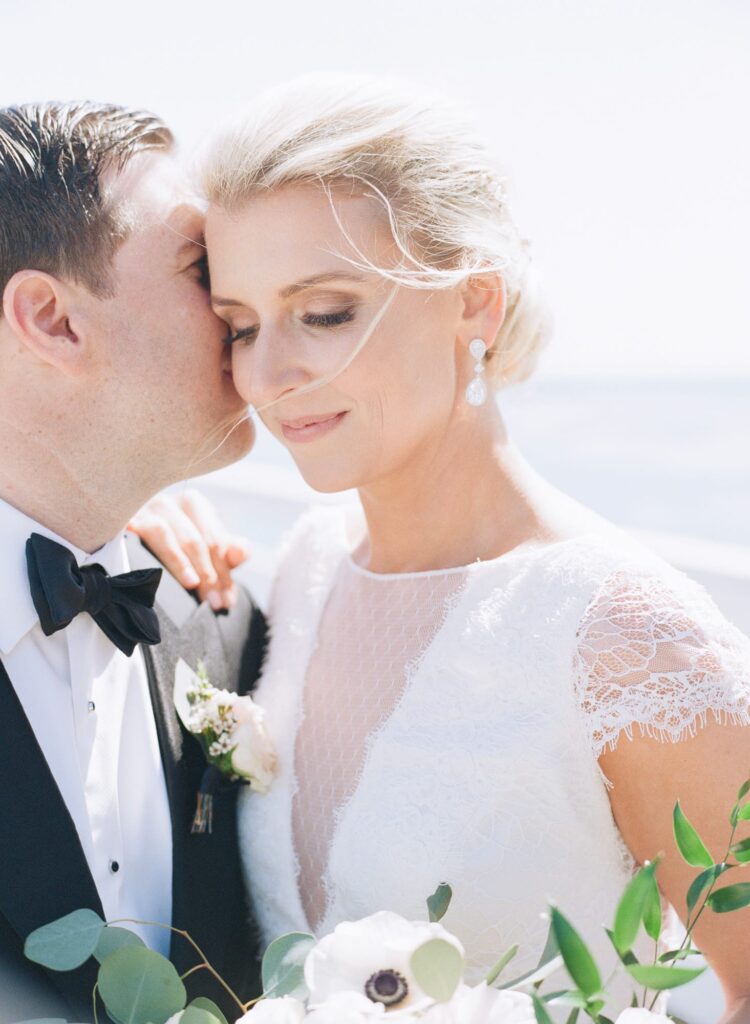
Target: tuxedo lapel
[(44, 870)]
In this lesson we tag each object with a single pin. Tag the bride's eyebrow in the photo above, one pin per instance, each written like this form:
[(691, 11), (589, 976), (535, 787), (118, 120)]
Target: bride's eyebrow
[(299, 286)]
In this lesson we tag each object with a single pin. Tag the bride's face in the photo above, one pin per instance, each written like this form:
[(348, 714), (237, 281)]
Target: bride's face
[(297, 310)]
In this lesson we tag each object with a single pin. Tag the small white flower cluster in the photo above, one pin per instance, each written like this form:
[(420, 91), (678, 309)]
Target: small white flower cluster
[(363, 971), (231, 726)]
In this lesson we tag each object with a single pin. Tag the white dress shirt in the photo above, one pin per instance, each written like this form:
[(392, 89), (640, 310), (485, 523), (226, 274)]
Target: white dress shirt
[(90, 708)]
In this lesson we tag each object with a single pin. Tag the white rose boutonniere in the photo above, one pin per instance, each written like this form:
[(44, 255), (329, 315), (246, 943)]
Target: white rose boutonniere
[(231, 729)]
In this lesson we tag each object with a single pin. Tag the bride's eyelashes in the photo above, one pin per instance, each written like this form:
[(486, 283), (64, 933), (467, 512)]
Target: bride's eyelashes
[(322, 320)]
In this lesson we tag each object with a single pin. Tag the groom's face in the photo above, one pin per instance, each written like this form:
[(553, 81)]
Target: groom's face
[(163, 374)]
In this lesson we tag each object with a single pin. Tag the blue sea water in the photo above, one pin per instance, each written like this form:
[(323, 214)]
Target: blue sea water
[(657, 455)]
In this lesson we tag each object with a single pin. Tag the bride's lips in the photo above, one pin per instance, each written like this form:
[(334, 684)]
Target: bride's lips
[(310, 428)]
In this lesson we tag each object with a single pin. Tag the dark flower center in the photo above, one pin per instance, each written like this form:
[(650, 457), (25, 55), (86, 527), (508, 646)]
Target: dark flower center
[(387, 987)]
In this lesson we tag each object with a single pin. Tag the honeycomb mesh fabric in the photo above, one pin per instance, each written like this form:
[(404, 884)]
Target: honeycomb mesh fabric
[(372, 633)]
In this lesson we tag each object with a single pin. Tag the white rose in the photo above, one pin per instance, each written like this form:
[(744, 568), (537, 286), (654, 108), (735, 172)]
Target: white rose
[(372, 957), (275, 1011), (483, 1005), (254, 757), (639, 1015), (347, 1008)]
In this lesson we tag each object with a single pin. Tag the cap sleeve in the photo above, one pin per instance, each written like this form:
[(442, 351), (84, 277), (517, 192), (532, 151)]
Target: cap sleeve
[(653, 650)]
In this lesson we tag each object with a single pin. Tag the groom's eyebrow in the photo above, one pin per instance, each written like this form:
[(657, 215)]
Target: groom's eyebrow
[(299, 286)]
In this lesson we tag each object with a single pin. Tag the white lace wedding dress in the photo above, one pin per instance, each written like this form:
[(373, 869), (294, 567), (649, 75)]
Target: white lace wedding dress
[(445, 726)]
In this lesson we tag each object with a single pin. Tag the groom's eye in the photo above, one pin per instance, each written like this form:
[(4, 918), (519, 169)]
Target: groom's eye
[(200, 268)]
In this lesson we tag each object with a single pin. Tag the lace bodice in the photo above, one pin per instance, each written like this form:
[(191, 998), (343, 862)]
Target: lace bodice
[(446, 726)]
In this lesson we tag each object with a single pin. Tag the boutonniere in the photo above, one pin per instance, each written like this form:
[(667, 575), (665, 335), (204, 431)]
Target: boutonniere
[(231, 730)]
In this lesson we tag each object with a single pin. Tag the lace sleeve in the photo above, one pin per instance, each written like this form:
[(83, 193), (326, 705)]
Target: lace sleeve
[(655, 651)]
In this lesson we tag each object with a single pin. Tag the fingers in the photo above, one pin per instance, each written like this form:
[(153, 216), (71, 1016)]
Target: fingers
[(177, 542), (162, 539), (226, 551)]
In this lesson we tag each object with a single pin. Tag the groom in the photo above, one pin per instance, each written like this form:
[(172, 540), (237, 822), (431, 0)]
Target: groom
[(113, 384)]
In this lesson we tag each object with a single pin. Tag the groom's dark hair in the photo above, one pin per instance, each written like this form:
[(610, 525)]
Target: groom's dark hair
[(54, 214)]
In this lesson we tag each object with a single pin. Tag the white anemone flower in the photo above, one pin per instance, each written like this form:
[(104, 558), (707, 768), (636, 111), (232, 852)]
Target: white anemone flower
[(640, 1015), (483, 1005), (372, 957), (347, 1008), (285, 1010)]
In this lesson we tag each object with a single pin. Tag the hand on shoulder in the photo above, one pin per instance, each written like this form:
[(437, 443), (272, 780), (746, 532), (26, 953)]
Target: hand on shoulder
[(187, 535)]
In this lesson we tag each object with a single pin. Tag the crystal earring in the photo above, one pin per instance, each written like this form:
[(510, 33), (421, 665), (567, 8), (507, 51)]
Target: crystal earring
[(476, 393)]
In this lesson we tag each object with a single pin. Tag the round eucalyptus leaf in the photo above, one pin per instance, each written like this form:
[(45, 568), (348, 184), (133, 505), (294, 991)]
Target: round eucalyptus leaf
[(437, 967), (66, 943), (139, 986), (112, 939), (196, 1015), (438, 903), (201, 1003), (283, 967)]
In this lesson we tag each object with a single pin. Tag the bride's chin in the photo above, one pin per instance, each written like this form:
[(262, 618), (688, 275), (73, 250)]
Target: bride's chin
[(328, 479)]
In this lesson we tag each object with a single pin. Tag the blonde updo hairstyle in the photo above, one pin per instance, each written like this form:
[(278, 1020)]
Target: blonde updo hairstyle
[(445, 201)]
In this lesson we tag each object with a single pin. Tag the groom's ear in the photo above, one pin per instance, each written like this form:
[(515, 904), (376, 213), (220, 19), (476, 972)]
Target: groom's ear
[(37, 308)]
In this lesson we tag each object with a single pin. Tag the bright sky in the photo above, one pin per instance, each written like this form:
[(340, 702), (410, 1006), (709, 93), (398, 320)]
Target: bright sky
[(622, 123)]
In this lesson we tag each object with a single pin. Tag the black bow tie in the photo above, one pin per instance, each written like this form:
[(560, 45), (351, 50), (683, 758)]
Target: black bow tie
[(122, 606)]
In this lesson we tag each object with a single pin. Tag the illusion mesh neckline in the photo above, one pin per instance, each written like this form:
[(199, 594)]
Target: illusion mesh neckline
[(525, 547)]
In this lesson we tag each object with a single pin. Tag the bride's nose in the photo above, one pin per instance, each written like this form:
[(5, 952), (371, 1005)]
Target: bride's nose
[(276, 368)]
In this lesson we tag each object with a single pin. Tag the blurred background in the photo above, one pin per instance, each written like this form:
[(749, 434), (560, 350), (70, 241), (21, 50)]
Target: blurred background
[(622, 125)]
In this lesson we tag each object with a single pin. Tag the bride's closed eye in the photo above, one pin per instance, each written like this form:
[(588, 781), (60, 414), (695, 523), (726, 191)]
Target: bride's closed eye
[(324, 320)]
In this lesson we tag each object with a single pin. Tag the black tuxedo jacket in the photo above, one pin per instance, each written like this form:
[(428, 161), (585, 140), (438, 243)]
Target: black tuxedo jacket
[(43, 870)]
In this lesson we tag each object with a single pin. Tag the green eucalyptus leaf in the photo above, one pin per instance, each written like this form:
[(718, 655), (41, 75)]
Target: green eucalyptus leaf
[(744, 813), (628, 957), (438, 903), (438, 968), (540, 1010), (66, 943), (741, 851), (500, 966), (744, 789), (551, 949), (283, 965), (652, 919), (139, 986), (731, 897), (201, 1003), (659, 978), (578, 960), (573, 1016), (633, 906), (593, 1006), (677, 954), (702, 882), (689, 843), (196, 1015), (112, 939)]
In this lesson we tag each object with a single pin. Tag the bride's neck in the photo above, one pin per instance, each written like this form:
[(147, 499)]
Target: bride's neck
[(467, 496)]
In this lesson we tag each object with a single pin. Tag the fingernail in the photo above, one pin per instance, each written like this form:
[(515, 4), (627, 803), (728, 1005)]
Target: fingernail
[(214, 599), (190, 578), (230, 598)]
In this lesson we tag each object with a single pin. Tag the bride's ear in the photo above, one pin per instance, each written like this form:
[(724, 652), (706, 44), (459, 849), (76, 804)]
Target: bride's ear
[(37, 308), (483, 297)]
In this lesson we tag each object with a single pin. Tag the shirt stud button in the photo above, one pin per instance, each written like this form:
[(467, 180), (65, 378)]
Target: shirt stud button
[(114, 867), (91, 707)]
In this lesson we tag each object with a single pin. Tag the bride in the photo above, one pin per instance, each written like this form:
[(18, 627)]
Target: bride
[(472, 678)]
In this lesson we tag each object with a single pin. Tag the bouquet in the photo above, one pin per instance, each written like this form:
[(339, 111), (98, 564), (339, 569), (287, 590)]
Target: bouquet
[(385, 965)]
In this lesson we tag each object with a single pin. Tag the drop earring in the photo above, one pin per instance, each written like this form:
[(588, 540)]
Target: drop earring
[(476, 392)]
